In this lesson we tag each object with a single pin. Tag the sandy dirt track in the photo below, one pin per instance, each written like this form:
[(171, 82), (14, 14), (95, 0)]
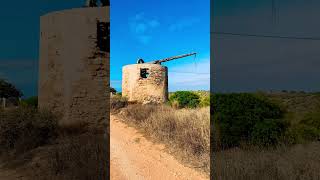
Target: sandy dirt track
[(134, 157)]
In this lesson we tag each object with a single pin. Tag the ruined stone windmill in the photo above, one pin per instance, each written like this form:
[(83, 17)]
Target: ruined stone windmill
[(147, 82), (74, 63)]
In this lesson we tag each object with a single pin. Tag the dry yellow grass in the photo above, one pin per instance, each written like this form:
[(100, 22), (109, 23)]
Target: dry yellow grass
[(282, 163), (40, 148), (186, 131)]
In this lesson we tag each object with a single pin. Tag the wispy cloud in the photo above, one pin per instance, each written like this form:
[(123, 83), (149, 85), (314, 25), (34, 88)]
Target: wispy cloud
[(192, 76), (184, 23), (142, 27)]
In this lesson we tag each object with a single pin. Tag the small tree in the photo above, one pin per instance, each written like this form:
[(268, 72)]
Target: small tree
[(8, 90), (112, 90)]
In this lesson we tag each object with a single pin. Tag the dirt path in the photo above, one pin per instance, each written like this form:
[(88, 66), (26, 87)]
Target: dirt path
[(134, 157)]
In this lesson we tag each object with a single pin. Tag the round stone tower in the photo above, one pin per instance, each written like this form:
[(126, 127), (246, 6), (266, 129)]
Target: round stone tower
[(74, 64), (145, 83)]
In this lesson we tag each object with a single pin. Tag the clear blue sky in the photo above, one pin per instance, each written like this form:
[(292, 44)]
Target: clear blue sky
[(146, 29), (19, 39), (159, 29)]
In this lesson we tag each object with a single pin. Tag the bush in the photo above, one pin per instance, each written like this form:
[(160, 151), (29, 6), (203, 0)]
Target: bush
[(32, 102), (268, 132), (77, 158), (26, 128), (117, 102), (205, 101), (236, 115), (183, 99), (139, 113)]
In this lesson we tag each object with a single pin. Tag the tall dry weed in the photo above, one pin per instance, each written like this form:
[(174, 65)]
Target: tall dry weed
[(188, 130), (282, 163)]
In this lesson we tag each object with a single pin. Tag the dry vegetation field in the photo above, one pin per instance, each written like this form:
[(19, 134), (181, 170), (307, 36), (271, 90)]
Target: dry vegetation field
[(37, 147), (293, 149), (184, 131), (300, 161)]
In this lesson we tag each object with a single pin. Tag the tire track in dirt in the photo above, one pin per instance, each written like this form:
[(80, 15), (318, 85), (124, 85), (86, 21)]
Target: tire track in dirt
[(133, 157)]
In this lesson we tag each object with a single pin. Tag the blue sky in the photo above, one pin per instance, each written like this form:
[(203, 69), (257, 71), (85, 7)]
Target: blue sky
[(146, 29), (159, 29), (19, 39)]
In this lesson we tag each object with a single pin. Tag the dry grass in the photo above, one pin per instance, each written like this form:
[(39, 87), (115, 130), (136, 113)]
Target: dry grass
[(41, 148), (290, 163), (83, 157), (286, 161), (24, 128), (187, 130), (117, 102)]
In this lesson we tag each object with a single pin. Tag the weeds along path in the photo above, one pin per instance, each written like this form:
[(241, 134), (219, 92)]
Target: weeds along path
[(134, 157), (6, 174)]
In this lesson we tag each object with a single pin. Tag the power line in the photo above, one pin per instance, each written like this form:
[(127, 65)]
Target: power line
[(266, 36)]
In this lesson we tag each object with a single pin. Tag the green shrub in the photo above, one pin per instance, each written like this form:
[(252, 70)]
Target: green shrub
[(268, 132), (236, 116), (185, 99), (205, 101), (32, 102), (26, 128)]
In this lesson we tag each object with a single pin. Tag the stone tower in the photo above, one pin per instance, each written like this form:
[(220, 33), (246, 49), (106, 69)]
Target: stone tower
[(145, 83), (74, 64)]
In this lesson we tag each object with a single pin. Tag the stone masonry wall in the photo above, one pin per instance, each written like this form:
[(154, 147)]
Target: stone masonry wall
[(73, 68), (153, 89)]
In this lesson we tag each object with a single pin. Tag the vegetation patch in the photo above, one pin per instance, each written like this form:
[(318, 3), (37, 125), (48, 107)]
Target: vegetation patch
[(246, 118), (299, 161), (79, 157), (31, 102), (185, 131), (33, 140), (24, 128), (266, 136), (184, 99), (117, 102)]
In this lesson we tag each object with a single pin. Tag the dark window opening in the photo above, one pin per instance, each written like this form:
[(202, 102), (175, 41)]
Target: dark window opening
[(103, 36), (144, 72)]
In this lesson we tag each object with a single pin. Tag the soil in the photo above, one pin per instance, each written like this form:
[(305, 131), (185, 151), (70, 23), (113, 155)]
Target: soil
[(134, 157)]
